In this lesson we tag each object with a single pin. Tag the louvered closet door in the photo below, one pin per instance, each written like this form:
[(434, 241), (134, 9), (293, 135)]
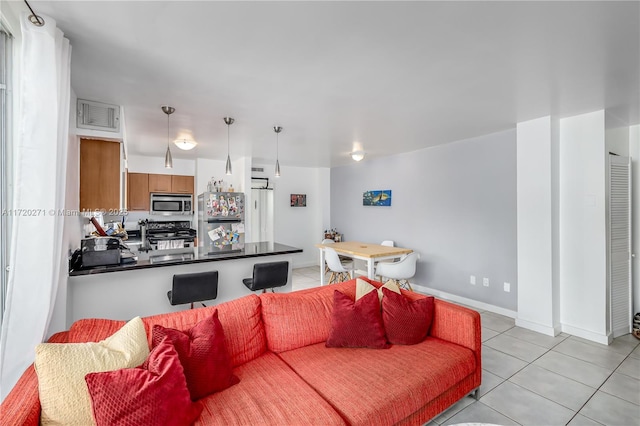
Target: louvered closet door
[(620, 244)]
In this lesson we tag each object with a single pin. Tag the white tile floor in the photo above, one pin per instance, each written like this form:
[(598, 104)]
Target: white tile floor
[(532, 379)]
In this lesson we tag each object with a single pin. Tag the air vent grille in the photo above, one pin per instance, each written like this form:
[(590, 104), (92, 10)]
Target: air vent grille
[(98, 116), (257, 169)]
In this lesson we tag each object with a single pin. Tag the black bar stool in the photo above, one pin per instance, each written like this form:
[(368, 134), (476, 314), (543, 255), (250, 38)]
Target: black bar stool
[(190, 288), (268, 275)]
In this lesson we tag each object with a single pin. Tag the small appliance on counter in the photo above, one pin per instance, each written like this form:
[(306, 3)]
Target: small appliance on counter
[(100, 251)]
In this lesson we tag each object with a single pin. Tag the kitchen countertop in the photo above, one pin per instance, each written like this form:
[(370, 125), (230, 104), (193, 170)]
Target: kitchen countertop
[(160, 258)]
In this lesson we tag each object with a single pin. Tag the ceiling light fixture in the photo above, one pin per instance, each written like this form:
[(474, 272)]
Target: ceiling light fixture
[(168, 160), (228, 121), (185, 144), (277, 129), (357, 155)]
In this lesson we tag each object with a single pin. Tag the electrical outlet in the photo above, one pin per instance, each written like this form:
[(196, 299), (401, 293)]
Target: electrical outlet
[(472, 280), (507, 287), (485, 282)]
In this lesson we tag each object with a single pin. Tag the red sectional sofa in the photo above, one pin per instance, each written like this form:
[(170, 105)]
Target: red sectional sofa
[(288, 376)]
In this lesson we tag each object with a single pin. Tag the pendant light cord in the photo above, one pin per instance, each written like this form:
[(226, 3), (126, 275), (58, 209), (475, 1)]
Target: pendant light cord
[(168, 131)]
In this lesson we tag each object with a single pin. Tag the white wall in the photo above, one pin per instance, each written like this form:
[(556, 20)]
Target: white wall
[(537, 281), (634, 152), (455, 204), (301, 227), (145, 164), (583, 292)]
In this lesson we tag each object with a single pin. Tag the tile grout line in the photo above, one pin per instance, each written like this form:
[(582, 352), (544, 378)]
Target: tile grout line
[(598, 390)]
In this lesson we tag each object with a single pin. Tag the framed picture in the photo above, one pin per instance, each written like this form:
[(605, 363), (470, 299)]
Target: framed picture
[(298, 200), (377, 198)]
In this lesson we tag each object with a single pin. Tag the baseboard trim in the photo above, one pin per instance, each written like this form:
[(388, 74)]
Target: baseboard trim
[(469, 302), (539, 328), (586, 334)]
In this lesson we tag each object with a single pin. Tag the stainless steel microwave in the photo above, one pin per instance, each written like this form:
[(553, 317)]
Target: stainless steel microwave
[(171, 204)]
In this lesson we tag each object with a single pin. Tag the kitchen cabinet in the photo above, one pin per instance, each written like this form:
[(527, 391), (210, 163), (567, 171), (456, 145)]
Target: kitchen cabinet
[(138, 191), (160, 183), (99, 174), (141, 185), (182, 184)]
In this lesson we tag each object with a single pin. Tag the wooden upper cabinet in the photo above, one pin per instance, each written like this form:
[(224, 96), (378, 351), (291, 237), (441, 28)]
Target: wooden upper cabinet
[(138, 191), (160, 183), (99, 174), (182, 184)]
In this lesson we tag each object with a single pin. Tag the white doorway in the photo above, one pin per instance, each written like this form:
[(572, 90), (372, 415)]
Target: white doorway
[(262, 217)]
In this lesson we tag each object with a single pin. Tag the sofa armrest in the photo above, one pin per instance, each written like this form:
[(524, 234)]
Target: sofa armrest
[(460, 325), (22, 405)]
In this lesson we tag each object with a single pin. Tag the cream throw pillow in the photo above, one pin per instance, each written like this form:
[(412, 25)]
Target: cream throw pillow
[(363, 287), (61, 368)]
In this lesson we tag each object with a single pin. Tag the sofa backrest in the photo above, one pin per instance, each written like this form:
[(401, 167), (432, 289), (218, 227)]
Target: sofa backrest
[(241, 320), (300, 318)]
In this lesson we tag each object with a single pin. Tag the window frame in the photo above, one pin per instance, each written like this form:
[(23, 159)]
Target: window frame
[(6, 162)]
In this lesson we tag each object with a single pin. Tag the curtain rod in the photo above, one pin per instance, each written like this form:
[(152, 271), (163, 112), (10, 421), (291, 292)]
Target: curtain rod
[(35, 19)]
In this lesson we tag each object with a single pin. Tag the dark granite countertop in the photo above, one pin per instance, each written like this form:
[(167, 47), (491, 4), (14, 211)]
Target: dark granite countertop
[(160, 258)]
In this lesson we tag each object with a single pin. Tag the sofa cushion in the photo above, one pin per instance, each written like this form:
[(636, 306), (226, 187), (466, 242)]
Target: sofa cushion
[(241, 321), (406, 322), (269, 393), (364, 287), (61, 368), (154, 394), (203, 354), (356, 324), (301, 318), (373, 387)]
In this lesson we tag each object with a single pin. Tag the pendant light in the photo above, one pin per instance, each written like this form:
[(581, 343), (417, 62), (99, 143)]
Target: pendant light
[(168, 160), (228, 121), (277, 129)]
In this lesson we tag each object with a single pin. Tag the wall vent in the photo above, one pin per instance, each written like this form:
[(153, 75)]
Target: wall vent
[(98, 116), (257, 169)]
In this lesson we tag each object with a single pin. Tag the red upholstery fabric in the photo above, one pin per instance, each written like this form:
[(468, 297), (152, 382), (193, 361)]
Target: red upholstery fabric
[(241, 321), (356, 324), (203, 355), (406, 322), (459, 325), (154, 394), (287, 397), (301, 318), (93, 329), (372, 387), (269, 393)]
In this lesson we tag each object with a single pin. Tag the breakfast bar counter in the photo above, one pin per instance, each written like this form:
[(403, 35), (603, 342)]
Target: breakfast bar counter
[(172, 257), (140, 289)]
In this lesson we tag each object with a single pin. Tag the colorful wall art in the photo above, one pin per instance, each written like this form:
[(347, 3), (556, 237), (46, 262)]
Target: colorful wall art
[(376, 198), (298, 200)]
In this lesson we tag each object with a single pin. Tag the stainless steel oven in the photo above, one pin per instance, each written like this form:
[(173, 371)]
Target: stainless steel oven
[(171, 204)]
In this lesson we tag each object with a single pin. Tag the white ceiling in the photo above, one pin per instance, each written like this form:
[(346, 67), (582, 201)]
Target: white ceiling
[(392, 76)]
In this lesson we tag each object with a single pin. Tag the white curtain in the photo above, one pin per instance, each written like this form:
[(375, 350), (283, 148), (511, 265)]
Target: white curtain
[(40, 179)]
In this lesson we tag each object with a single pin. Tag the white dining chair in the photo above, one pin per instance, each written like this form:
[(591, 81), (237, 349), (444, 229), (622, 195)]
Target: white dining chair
[(401, 271), (339, 271), (387, 243)]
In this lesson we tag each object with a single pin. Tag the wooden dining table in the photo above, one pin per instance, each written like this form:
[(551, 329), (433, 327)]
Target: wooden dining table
[(370, 253)]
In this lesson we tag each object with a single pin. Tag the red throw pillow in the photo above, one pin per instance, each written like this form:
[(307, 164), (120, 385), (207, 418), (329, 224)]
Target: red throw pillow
[(203, 354), (154, 394), (356, 324), (406, 322)]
